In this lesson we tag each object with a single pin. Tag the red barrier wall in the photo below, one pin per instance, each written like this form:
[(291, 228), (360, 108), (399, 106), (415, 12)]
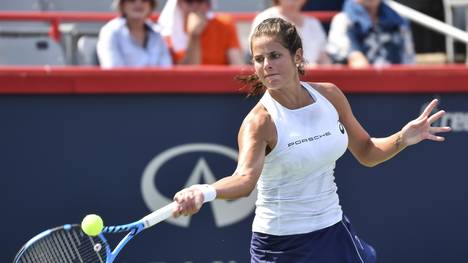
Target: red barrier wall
[(215, 79)]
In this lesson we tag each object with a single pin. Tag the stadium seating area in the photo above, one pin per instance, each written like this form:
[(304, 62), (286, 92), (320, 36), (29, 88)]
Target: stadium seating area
[(30, 50), (76, 38)]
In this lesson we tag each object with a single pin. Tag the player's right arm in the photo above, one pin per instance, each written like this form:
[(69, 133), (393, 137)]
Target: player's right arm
[(256, 133), (254, 136)]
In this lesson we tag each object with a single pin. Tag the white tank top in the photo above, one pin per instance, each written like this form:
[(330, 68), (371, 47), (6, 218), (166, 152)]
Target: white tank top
[(297, 190)]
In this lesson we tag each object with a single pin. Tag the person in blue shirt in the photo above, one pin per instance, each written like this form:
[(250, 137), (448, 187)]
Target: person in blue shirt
[(132, 40), (369, 32)]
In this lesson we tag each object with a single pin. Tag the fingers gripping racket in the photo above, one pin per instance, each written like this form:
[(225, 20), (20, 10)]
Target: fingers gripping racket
[(69, 244)]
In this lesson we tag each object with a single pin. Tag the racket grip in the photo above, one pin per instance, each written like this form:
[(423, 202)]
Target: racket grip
[(159, 215)]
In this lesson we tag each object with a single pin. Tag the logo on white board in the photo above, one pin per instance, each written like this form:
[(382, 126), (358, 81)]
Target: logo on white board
[(224, 212)]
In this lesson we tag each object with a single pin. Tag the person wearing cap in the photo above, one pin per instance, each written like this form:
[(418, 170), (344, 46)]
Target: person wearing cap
[(197, 36), (132, 40)]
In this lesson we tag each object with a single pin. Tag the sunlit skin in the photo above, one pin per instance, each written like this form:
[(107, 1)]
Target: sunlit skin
[(273, 63), (277, 70)]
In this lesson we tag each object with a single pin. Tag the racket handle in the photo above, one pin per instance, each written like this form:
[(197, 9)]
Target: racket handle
[(159, 215), (163, 213)]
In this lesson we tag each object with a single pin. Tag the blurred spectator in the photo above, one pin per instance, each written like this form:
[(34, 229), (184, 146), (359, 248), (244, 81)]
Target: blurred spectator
[(310, 29), (132, 39), (370, 32), (198, 36)]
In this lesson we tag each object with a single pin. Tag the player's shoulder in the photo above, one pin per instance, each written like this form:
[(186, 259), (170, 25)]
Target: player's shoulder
[(327, 89), (258, 119), (259, 114), (332, 93)]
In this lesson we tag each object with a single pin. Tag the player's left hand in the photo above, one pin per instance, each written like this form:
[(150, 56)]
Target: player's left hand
[(421, 129)]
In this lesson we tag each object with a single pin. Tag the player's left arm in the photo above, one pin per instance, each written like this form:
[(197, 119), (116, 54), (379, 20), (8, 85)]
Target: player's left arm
[(372, 151)]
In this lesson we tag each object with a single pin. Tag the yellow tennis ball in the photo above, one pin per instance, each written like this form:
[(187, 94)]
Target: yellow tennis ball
[(92, 225)]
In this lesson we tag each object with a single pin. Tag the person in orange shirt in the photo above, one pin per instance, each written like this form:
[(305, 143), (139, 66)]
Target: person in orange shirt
[(197, 36)]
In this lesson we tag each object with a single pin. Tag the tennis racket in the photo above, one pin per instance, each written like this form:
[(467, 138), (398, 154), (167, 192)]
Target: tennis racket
[(69, 244)]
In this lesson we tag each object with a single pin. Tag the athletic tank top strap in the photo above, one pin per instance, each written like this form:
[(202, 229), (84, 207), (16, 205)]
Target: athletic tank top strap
[(318, 97), (268, 102), (275, 111)]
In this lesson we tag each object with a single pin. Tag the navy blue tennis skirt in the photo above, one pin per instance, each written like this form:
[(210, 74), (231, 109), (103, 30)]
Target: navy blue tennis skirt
[(335, 244)]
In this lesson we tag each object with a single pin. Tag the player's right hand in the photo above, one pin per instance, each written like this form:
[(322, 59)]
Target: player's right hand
[(189, 201)]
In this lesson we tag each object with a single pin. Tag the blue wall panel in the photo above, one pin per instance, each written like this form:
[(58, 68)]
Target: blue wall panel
[(62, 157)]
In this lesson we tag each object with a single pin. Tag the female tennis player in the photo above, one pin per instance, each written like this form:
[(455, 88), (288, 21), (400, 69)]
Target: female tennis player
[(288, 145)]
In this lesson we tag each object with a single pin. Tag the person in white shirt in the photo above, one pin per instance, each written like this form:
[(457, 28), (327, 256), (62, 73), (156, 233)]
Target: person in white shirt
[(288, 145), (310, 29), (132, 40)]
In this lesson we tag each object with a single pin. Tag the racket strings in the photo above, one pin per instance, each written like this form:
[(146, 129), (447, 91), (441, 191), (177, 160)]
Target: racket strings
[(65, 246)]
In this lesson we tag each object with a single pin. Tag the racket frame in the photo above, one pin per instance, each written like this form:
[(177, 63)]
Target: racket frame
[(132, 228)]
